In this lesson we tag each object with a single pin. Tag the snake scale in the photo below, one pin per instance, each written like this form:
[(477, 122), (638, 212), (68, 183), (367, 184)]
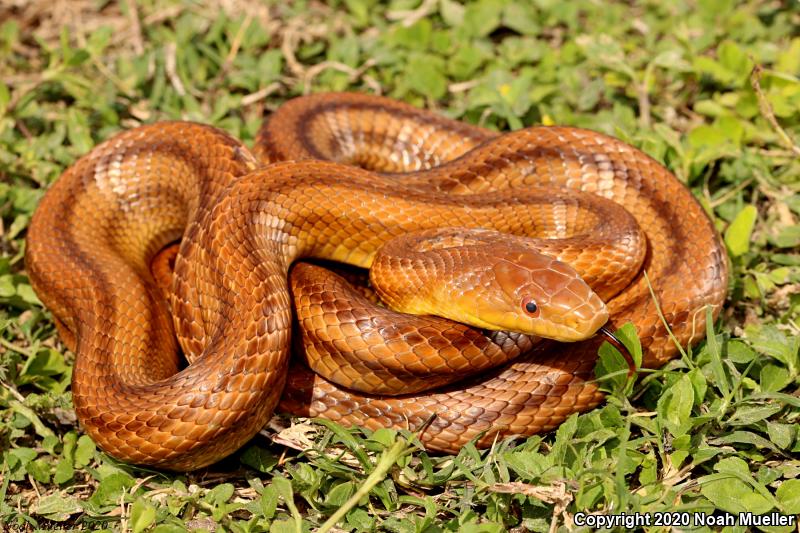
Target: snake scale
[(242, 224)]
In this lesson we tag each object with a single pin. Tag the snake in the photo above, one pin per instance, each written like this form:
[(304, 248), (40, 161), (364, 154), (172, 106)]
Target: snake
[(335, 176)]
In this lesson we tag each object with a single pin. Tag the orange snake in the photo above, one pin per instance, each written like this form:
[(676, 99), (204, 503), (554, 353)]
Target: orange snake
[(242, 224)]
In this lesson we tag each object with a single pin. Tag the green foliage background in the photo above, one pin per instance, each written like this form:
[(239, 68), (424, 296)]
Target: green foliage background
[(709, 87)]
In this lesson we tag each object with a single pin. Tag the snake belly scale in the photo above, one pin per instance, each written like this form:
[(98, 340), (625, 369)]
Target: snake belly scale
[(242, 224)]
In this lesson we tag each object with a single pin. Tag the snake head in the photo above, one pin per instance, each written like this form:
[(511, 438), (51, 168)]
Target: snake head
[(531, 293)]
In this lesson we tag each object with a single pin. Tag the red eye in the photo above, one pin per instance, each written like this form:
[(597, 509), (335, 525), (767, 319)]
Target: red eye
[(530, 307)]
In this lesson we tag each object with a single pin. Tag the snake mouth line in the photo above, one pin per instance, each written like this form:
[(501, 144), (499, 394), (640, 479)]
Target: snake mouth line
[(614, 340)]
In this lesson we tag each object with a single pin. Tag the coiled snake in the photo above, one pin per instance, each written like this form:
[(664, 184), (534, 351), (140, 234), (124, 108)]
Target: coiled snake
[(242, 224)]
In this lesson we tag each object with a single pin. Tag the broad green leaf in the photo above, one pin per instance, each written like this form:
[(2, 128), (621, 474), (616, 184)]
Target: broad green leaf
[(466, 61), (675, 406), (781, 434), (737, 236), (65, 470), (789, 58), (7, 289), (39, 470), (527, 464), (284, 488), (734, 60), (774, 378), (78, 131), (109, 490), (41, 429), (360, 519), (739, 352), (521, 17), (707, 137), (751, 414), (84, 451), (360, 10), (259, 458), (787, 237), (415, 37), (143, 514), (220, 493), (269, 502), (771, 341), (45, 363), (699, 384), (482, 17), (287, 525), (57, 507), (339, 494), (788, 494), (384, 436), (424, 75), (732, 495)]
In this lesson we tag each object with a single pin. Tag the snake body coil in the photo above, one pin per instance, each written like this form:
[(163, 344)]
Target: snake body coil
[(92, 239)]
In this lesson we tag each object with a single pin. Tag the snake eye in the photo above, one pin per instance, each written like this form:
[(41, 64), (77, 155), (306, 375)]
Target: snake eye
[(530, 307)]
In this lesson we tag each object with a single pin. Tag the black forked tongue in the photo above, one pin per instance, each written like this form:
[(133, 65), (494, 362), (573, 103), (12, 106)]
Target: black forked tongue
[(614, 341)]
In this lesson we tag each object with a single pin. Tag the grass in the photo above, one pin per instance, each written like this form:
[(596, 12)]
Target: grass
[(709, 87)]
